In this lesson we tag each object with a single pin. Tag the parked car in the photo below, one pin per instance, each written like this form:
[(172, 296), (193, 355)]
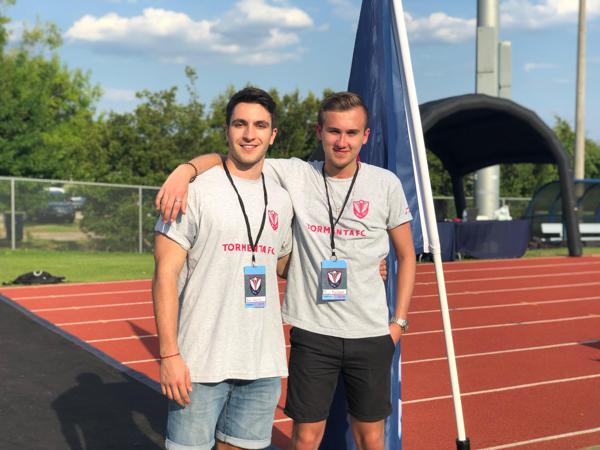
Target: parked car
[(58, 208)]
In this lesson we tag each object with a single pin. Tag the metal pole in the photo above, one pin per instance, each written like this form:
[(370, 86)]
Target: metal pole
[(487, 180), (13, 229), (580, 97), (462, 441), (140, 219)]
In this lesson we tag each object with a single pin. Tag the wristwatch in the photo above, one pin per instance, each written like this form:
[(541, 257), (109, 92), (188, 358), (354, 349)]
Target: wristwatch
[(403, 323)]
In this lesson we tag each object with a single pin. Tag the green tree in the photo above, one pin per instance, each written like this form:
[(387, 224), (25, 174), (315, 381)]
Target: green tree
[(296, 122), (46, 109), (143, 146)]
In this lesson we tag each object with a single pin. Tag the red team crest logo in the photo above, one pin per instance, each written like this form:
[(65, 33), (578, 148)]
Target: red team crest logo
[(334, 277), (255, 285), (274, 219), (361, 208)]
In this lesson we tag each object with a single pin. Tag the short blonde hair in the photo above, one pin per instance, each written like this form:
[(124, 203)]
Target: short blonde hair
[(342, 101)]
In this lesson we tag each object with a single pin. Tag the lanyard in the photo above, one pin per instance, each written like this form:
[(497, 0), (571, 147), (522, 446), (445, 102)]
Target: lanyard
[(331, 222), (262, 225)]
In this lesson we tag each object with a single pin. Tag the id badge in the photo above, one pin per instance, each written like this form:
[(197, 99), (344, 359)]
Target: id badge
[(334, 280), (255, 285)]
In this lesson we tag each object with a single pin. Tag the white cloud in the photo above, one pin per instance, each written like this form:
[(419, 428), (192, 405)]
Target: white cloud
[(439, 27), (522, 14), (253, 32), (529, 67), (119, 95), (261, 13), (538, 14)]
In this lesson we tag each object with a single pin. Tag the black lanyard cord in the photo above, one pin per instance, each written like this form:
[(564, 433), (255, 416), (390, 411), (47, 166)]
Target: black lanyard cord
[(331, 222), (262, 225)]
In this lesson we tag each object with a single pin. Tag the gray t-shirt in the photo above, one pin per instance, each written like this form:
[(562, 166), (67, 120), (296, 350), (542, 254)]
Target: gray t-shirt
[(219, 338), (377, 203)]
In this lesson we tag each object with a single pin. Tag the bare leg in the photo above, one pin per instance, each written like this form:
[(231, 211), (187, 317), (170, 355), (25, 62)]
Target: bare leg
[(307, 436), (368, 435)]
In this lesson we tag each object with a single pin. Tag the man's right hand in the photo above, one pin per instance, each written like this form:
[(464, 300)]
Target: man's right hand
[(175, 381), (172, 197)]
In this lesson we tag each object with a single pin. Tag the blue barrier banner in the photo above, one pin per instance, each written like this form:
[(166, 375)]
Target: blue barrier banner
[(378, 76)]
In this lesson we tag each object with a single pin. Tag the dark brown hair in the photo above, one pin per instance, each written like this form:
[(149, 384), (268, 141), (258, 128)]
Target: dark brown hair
[(251, 95)]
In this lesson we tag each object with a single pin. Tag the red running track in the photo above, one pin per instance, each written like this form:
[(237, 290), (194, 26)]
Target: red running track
[(526, 334)]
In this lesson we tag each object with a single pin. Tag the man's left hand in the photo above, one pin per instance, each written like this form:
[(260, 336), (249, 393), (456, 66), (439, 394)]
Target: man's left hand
[(395, 332)]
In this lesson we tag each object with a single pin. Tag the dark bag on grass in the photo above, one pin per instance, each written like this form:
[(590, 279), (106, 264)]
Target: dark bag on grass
[(37, 277)]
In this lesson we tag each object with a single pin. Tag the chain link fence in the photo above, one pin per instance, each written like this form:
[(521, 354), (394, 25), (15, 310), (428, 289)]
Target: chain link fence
[(68, 215)]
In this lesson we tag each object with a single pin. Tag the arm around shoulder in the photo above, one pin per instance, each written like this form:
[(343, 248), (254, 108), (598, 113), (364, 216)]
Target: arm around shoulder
[(172, 196)]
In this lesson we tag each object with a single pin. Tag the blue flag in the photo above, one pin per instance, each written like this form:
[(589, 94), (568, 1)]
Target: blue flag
[(378, 75)]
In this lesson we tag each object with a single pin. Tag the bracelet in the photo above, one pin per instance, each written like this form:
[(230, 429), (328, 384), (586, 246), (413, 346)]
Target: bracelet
[(169, 356), (195, 170)]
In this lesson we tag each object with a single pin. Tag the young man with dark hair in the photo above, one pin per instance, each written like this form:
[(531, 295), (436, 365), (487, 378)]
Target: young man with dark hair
[(346, 213), (215, 293)]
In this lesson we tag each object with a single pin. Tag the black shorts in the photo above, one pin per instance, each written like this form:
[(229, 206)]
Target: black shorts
[(316, 361)]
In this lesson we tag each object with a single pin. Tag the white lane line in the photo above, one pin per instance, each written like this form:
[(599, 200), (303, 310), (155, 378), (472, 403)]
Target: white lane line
[(83, 283), (91, 322), (503, 389), (71, 308), (509, 324), (500, 352), (84, 294), (509, 305), (515, 277), (532, 288), (140, 361), (544, 439), (125, 338), (287, 419), (590, 316), (495, 269)]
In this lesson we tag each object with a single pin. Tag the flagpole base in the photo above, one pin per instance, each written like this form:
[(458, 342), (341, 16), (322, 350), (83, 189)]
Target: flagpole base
[(463, 445)]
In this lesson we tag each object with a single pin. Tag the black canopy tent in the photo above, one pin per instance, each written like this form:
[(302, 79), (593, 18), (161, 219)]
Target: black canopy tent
[(473, 131)]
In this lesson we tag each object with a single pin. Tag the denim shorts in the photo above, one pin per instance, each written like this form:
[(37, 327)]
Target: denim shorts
[(237, 412)]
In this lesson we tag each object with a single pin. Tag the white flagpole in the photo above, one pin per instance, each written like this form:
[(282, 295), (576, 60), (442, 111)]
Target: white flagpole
[(424, 185)]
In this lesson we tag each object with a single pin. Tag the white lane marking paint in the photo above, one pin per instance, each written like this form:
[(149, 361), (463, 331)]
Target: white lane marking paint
[(510, 324), (124, 338), (465, 268), (84, 294), (544, 439), (503, 389), (140, 361), (91, 322), (286, 419), (86, 283), (71, 308), (500, 352), (493, 291), (516, 277), (509, 305)]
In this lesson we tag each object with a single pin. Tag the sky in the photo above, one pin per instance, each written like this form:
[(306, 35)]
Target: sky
[(131, 45)]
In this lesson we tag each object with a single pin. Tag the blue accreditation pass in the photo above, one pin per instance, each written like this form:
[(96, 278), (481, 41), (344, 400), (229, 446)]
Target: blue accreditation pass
[(255, 286), (334, 280)]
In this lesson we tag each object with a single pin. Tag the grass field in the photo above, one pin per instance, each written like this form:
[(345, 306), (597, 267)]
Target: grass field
[(76, 266), (102, 266)]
